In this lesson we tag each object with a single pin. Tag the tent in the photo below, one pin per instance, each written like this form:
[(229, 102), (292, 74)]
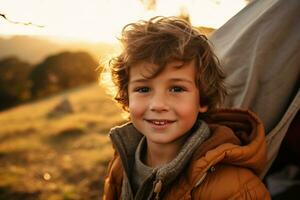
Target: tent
[(259, 49)]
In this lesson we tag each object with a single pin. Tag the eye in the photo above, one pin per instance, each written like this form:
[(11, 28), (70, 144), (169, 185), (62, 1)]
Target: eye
[(177, 89), (142, 89)]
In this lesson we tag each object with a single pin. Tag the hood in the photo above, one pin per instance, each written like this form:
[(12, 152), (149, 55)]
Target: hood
[(237, 138)]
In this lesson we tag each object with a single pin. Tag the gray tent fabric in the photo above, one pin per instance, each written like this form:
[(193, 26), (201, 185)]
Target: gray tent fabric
[(259, 49)]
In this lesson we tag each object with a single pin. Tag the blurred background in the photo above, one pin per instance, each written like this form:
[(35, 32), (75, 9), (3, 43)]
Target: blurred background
[(54, 115)]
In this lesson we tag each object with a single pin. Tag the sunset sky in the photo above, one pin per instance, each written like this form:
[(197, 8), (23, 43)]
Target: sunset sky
[(102, 20)]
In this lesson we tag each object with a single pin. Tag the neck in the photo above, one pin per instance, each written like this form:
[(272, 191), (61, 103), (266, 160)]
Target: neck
[(160, 154)]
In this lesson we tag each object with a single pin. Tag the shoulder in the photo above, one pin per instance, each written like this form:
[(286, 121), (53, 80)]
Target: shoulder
[(115, 169), (232, 182), (113, 179)]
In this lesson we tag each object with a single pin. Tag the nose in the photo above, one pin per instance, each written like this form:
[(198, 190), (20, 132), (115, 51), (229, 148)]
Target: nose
[(158, 103)]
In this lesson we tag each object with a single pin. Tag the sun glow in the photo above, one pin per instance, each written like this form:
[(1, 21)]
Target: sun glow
[(102, 20)]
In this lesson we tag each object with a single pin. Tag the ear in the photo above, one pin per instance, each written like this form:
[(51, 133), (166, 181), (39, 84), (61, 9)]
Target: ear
[(203, 109)]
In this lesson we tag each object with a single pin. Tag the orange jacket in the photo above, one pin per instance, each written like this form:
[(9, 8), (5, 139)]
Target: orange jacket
[(225, 166)]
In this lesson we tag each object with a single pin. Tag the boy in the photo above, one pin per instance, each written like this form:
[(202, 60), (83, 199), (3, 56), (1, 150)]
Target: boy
[(177, 145)]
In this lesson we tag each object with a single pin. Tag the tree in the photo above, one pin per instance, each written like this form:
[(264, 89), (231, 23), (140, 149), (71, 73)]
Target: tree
[(14, 82), (62, 71)]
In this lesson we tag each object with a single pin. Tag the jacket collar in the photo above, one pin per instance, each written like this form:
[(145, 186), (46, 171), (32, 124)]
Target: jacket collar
[(237, 138)]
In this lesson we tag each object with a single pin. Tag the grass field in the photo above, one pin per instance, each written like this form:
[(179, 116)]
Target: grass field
[(48, 154)]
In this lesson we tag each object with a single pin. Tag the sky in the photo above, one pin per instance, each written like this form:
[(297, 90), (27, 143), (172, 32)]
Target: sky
[(102, 20)]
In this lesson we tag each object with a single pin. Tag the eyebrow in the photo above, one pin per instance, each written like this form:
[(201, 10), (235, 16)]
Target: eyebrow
[(181, 80), (143, 80), (140, 80)]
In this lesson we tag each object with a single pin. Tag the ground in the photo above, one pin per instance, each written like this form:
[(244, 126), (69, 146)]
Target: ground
[(50, 154)]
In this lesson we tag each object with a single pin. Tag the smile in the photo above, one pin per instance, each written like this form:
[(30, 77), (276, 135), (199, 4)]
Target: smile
[(160, 122)]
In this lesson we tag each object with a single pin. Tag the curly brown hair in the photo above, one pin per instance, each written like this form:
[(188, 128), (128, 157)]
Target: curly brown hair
[(159, 41)]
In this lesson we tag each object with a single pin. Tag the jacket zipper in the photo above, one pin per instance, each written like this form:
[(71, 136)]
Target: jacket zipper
[(157, 188)]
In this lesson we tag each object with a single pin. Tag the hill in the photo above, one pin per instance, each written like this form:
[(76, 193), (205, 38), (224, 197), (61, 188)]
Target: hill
[(35, 49), (57, 148)]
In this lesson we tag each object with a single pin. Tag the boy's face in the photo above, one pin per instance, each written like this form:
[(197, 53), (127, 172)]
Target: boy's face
[(165, 107)]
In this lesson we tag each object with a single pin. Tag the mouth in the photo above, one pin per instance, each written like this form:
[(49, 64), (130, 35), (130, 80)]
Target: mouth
[(160, 122)]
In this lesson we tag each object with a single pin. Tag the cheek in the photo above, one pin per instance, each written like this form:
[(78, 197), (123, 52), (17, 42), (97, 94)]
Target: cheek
[(188, 105), (136, 107), (188, 112)]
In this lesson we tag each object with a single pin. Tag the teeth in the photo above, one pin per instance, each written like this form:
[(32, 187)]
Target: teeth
[(159, 122)]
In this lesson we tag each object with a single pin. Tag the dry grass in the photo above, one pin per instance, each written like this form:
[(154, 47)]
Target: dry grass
[(57, 158)]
